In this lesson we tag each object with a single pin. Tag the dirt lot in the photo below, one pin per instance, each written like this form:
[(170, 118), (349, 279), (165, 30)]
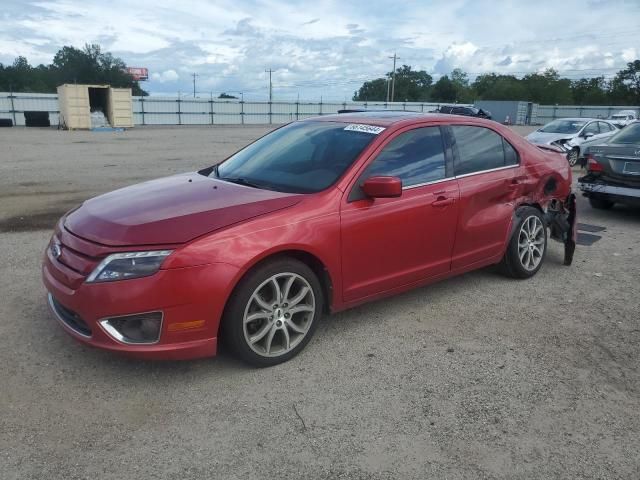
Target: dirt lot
[(475, 377)]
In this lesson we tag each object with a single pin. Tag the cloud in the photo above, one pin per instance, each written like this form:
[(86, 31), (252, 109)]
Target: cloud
[(165, 77), (324, 48)]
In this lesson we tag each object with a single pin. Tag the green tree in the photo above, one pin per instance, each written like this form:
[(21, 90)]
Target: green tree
[(226, 95), (70, 65), (460, 81), (491, 86), (444, 90), (410, 86), (625, 87), (590, 91), (548, 88)]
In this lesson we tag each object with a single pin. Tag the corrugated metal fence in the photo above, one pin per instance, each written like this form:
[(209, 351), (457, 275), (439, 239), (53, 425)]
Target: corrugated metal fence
[(156, 110), (546, 113)]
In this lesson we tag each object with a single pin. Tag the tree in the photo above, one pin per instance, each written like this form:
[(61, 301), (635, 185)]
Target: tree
[(410, 86), (625, 86), (491, 86), (590, 91), (70, 65), (372, 90), (460, 82), (226, 95), (444, 90), (547, 88)]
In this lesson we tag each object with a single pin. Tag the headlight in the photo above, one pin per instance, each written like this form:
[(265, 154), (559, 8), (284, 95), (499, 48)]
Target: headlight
[(122, 266)]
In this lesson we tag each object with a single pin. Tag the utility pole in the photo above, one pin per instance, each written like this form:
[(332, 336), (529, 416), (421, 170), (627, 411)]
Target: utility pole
[(194, 75), (270, 85), (393, 76), (388, 86)]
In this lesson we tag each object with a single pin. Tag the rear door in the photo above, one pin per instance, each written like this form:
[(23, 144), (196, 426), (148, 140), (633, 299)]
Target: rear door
[(486, 167), (390, 242), (606, 130)]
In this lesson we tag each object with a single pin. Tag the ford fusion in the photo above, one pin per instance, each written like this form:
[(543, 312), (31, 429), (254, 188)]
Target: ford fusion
[(317, 216)]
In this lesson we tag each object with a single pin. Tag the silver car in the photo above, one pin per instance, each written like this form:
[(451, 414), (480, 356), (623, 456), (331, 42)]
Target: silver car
[(573, 135)]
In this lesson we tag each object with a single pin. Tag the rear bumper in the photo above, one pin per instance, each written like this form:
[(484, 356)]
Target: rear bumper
[(191, 299), (600, 188)]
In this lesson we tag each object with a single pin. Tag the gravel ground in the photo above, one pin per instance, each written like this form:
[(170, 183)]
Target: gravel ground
[(476, 377)]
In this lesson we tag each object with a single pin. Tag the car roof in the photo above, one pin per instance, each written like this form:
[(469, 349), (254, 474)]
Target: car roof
[(381, 118), (579, 119)]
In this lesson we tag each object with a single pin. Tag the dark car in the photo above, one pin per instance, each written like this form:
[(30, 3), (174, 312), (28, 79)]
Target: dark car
[(613, 170), (466, 111)]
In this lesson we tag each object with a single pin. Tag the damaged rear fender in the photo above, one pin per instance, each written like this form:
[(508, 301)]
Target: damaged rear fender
[(560, 218)]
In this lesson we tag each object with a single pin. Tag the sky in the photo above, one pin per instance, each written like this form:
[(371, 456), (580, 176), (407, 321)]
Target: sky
[(325, 48)]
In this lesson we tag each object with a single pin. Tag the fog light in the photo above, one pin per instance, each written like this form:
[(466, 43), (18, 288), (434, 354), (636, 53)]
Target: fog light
[(140, 328)]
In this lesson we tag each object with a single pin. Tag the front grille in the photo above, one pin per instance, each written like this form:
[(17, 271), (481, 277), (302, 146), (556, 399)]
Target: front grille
[(70, 318), (75, 259)]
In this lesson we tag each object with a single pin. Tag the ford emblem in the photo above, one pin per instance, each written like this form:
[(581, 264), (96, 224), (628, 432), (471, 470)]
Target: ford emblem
[(56, 251)]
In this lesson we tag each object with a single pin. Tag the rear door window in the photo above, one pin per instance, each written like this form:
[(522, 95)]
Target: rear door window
[(591, 128), (510, 154), (604, 127), (480, 149), (416, 157)]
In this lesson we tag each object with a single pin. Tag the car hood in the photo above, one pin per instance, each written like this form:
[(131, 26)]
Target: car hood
[(543, 138), (171, 210)]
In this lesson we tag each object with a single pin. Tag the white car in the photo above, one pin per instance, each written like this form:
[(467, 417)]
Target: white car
[(623, 118), (572, 134)]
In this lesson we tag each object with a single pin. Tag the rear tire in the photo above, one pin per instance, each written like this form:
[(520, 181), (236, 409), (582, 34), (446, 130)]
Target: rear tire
[(273, 312), (528, 245), (600, 203)]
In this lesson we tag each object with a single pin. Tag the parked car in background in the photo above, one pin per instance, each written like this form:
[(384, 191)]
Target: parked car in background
[(466, 111), (613, 170), (319, 215), (623, 118), (571, 133)]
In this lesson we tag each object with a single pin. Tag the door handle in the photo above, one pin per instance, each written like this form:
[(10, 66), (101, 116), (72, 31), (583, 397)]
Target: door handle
[(443, 202), (516, 181)]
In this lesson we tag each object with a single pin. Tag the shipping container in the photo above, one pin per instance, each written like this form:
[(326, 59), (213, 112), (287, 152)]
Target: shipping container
[(510, 112), (77, 102)]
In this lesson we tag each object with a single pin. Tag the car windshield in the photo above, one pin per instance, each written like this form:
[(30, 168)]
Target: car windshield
[(629, 135), (563, 126), (618, 117), (303, 157)]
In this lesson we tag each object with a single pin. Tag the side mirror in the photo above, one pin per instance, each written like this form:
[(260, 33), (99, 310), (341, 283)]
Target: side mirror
[(588, 135), (382, 187)]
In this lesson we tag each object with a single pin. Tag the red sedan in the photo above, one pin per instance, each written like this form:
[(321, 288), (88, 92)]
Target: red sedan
[(317, 216)]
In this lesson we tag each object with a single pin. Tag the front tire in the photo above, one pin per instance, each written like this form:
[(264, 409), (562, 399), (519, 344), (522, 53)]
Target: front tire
[(273, 312), (528, 245), (572, 157)]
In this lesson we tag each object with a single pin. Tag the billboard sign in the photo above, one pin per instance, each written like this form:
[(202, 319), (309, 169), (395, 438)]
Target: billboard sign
[(138, 73)]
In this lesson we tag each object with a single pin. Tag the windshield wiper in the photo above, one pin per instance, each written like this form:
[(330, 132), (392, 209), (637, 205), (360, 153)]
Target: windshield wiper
[(241, 181)]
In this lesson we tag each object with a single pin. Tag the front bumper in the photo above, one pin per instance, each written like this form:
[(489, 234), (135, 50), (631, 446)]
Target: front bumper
[(191, 299)]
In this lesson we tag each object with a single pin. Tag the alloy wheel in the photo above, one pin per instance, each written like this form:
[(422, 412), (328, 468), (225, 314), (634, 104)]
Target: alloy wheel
[(531, 243), (279, 314)]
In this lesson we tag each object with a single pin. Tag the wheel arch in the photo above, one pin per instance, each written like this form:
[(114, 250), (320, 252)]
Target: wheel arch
[(318, 267)]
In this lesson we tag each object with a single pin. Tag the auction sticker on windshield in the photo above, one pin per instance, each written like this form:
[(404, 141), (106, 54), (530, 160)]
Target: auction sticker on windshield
[(359, 127)]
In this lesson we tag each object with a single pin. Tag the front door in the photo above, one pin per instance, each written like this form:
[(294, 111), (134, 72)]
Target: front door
[(390, 242)]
